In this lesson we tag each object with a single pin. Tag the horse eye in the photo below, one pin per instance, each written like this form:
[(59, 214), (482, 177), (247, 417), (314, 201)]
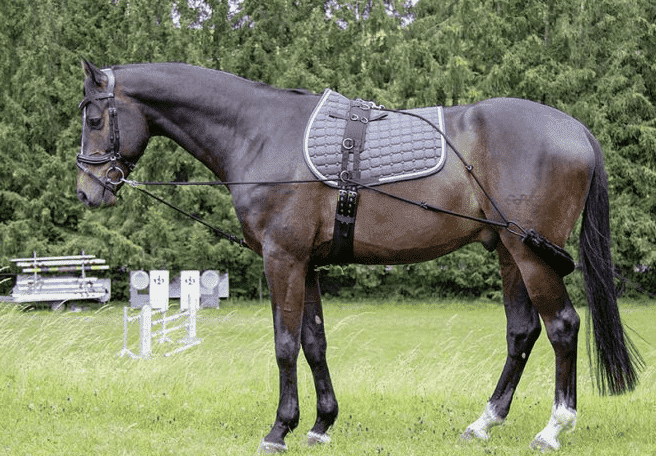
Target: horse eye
[(94, 122)]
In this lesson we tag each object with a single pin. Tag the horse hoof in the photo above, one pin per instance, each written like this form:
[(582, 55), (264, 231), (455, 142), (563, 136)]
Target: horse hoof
[(271, 448), (544, 443), (471, 434), (479, 428), (315, 438)]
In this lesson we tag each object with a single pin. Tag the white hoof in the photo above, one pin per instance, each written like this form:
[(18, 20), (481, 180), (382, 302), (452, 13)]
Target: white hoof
[(474, 433), (271, 448), (315, 438), (479, 428), (545, 443)]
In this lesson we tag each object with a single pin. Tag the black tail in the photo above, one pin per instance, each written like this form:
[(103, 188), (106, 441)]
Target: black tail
[(617, 360)]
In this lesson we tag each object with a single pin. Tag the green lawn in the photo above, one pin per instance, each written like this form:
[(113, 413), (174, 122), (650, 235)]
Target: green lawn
[(409, 377)]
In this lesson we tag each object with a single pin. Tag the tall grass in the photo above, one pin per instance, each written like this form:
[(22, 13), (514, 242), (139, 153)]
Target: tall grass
[(409, 377)]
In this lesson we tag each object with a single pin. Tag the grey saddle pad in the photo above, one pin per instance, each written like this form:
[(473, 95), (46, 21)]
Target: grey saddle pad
[(397, 147)]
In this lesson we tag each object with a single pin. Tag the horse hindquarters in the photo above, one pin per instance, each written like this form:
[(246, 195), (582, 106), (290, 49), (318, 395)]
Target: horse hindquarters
[(543, 156)]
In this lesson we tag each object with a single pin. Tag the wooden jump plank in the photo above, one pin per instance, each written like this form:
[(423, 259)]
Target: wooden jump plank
[(39, 262), (72, 257), (91, 267)]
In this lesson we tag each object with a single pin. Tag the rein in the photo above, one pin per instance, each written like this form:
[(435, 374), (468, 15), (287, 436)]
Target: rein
[(345, 178), (231, 237), (223, 234), (505, 223)]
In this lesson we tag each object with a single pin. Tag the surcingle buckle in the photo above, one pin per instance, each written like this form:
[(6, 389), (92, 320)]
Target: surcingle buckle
[(347, 202), (341, 250)]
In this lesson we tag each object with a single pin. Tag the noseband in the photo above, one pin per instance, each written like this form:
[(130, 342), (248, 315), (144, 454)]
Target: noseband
[(114, 157)]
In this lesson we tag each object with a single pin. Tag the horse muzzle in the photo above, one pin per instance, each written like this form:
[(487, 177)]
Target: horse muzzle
[(95, 191)]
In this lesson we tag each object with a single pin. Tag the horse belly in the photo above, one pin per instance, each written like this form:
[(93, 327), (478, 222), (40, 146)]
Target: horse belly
[(388, 231)]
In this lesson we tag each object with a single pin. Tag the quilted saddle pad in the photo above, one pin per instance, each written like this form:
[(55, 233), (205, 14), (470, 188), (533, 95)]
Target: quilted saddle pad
[(397, 147)]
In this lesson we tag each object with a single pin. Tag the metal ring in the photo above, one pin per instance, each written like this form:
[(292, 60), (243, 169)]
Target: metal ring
[(354, 117), (348, 143), (516, 233), (364, 120), (109, 179), (344, 176)]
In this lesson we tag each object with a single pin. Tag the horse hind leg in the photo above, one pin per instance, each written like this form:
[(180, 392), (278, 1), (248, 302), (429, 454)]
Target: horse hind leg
[(547, 292), (313, 341), (523, 329), (562, 329)]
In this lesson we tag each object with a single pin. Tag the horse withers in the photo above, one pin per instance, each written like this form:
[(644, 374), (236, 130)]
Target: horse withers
[(542, 167)]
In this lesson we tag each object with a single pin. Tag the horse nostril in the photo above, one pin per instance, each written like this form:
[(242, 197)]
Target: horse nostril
[(82, 196)]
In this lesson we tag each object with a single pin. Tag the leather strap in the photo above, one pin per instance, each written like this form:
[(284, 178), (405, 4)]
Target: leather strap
[(357, 119), (354, 137)]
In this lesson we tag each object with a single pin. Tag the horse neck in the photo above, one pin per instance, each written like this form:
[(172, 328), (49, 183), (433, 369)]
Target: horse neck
[(215, 116)]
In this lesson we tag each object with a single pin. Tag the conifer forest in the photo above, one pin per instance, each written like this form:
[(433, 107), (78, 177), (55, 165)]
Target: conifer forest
[(595, 60)]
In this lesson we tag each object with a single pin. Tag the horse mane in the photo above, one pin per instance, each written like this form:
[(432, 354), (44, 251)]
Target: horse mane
[(264, 85), (260, 84)]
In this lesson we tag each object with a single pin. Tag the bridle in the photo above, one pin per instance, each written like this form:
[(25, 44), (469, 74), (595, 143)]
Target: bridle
[(114, 157)]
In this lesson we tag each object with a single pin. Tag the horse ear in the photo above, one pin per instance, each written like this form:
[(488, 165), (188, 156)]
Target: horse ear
[(90, 71)]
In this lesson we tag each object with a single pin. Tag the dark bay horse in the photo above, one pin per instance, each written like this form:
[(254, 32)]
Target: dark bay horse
[(543, 168)]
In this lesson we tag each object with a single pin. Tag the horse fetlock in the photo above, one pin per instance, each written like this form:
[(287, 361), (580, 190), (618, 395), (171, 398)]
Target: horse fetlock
[(562, 419), (327, 409)]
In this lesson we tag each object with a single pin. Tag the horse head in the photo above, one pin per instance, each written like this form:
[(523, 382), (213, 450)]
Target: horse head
[(114, 136)]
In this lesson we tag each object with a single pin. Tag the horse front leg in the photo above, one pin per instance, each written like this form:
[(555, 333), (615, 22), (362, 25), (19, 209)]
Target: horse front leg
[(286, 278), (313, 341), (523, 329)]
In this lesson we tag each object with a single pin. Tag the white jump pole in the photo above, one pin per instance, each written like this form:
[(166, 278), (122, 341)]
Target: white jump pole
[(190, 300), (144, 331), (127, 319)]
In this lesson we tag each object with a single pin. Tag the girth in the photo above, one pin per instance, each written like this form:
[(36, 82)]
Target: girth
[(357, 119)]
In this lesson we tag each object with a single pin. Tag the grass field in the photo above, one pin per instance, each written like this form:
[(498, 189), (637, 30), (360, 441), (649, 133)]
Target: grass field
[(409, 377)]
